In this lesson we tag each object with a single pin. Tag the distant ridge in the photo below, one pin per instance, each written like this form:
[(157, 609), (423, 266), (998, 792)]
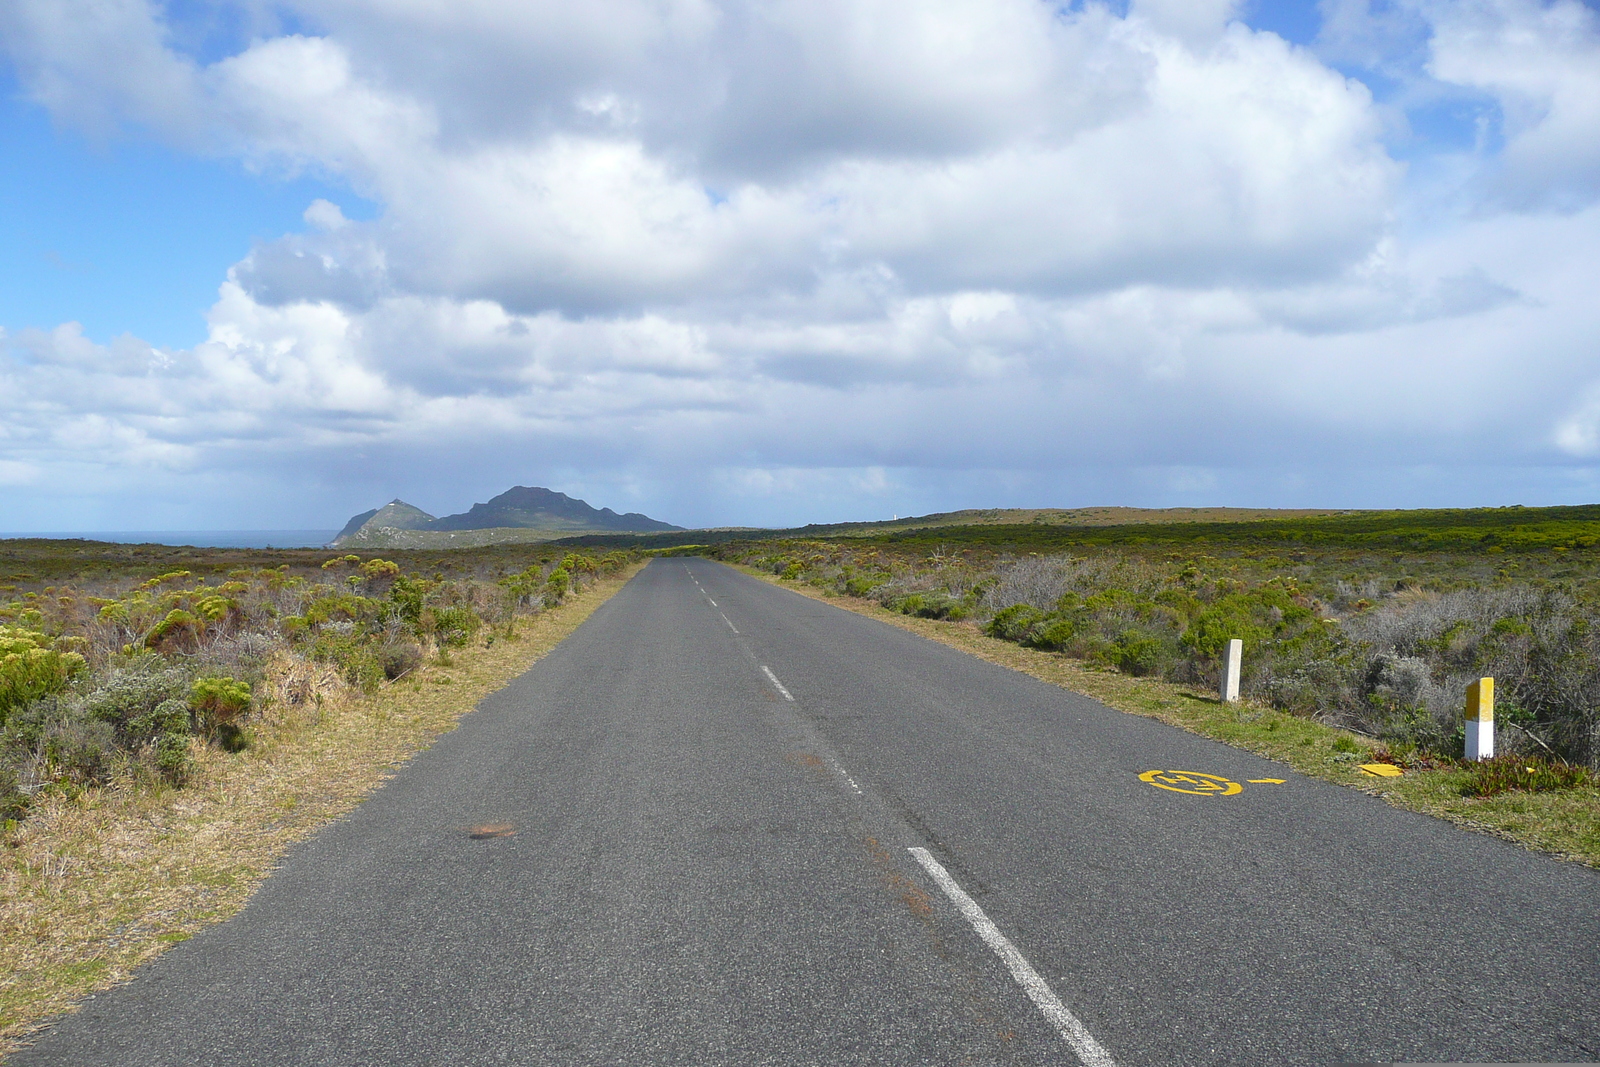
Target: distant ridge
[(524, 507), (1090, 516), (521, 513)]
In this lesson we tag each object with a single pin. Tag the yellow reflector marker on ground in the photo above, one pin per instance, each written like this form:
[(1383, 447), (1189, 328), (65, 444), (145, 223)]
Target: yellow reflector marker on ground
[(1382, 770)]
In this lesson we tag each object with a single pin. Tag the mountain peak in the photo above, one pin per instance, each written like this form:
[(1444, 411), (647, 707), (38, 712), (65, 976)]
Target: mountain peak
[(520, 507)]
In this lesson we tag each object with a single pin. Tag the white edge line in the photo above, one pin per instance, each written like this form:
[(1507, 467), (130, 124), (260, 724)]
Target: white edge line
[(1072, 1031), (773, 678)]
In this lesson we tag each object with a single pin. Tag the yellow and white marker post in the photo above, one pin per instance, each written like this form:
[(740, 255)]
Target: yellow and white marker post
[(1480, 719), (1228, 687)]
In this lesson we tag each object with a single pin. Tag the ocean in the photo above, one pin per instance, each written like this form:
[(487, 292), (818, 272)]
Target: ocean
[(198, 538)]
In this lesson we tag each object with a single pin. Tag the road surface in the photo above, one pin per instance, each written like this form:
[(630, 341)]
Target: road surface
[(726, 824)]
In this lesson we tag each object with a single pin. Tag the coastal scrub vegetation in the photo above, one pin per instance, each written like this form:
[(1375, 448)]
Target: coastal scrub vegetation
[(1377, 634), (114, 676)]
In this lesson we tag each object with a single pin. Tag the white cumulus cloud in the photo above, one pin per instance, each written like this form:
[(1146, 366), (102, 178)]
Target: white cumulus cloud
[(700, 254)]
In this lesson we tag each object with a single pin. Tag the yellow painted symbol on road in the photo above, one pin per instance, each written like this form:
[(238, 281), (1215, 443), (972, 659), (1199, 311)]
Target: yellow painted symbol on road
[(1382, 770), (1205, 785), (1265, 781)]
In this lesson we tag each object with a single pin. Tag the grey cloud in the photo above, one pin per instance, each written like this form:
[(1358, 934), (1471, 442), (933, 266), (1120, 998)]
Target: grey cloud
[(1467, 293), (1362, 304), (313, 268)]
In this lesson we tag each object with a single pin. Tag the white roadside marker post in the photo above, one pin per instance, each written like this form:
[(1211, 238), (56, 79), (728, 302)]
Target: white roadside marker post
[(1480, 719), (1229, 687)]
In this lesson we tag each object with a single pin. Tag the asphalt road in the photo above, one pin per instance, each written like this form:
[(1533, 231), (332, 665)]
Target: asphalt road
[(714, 789)]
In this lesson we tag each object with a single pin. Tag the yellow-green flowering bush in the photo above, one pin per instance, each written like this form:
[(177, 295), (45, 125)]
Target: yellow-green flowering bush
[(31, 666)]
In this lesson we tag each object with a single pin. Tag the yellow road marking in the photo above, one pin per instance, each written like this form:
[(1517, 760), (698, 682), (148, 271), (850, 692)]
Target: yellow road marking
[(1265, 781), (1192, 782)]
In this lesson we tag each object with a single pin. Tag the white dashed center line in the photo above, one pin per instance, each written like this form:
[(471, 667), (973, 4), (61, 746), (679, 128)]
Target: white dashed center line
[(846, 776), (1072, 1031), (773, 678), (1089, 1051)]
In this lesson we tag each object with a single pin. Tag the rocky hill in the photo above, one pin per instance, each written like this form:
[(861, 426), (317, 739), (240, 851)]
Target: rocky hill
[(521, 513), (395, 515)]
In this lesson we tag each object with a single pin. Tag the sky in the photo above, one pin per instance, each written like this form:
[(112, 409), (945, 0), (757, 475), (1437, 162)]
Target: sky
[(264, 265)]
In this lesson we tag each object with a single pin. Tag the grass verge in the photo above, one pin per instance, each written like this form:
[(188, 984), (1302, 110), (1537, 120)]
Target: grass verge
[(93, 886), (1565, 823)]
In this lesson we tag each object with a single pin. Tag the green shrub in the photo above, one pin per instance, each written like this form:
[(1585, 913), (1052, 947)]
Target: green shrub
[(1220, 623), (380, 568), (81, 751), (128, 699), (356, 659), (936, 604), (556, 586), (341, 607), (168, 727), (172, 757), (1053, 634), (218, 701), (863, 584), (1136, 652), (1255, 616), (171, 716), (524, 585), (1014, 623), (175, 628), (454, 627), (31, 668), (408, 596)]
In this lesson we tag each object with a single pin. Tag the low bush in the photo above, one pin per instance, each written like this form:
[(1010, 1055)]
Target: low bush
[(129, 695), (453, 627), (1137, 652), (929, 605), (861, 585), (1014, 623), (398, 657), (32, 667), (556, 586), (219, 704)]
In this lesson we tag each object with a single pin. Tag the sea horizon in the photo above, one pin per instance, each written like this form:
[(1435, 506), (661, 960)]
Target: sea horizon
[(190, 538)]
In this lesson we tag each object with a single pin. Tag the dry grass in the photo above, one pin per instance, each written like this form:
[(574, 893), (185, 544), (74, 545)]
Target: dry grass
[(92, 887), (1565, 823)]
